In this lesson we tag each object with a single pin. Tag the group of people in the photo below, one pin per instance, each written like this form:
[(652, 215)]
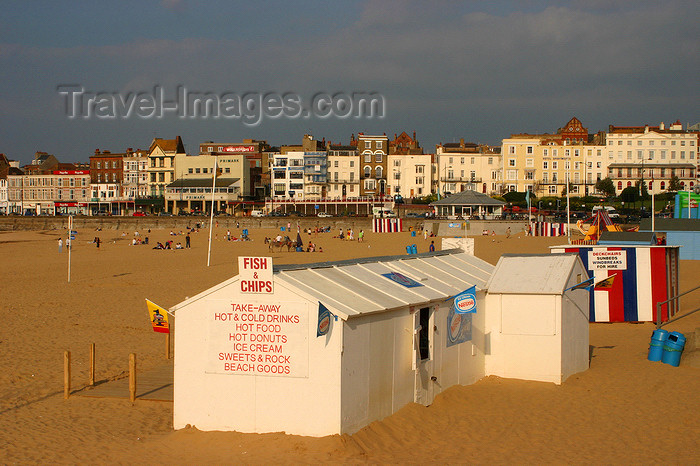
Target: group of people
[(350, 235), (168, 245), (312, 248)]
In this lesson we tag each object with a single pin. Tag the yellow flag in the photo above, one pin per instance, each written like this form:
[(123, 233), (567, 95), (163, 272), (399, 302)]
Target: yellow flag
[(158, 317), (606, 283)]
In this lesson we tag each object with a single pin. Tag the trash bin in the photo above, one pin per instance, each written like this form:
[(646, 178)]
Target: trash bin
[(656, 346), (673, 347), (413, 233), (414, 249), (408, 249)]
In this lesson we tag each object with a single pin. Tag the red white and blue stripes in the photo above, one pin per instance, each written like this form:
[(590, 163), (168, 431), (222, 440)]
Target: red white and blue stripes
[(639, 284)]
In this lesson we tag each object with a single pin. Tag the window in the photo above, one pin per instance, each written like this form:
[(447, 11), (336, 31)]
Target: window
[(651, 155), (190, 170), (378, 157), (545, 152), (530, 149), (530, 162), (378, 172), (577, 152), (368, 158), (420, 169), (545, 177), (639, 155), (511, 149), (380, 144), (490, 161), (545, 165), (552, 190), (567, 152), (511, 162), (555, 152), (682, 154), (368, 172), (555, 165), (512, 174), (335, 164)]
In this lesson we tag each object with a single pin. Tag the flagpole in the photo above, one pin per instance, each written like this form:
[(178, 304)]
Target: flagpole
[(211, 218), (568, 210), (69, 242)]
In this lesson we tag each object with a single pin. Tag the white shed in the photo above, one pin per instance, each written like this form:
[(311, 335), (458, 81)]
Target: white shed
[(254, 362), (538, 328)]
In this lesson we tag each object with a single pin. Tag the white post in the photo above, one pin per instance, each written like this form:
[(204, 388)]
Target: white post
[(688, 200), (653, 221), (211, 217), (69, 242), (568, 210)]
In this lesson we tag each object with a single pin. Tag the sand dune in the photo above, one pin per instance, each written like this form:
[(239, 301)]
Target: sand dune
[(624, 409)]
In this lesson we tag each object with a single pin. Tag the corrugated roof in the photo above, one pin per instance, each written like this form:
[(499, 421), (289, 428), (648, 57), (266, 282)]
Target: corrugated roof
[(532, 273), (353, 288), (356, 287)]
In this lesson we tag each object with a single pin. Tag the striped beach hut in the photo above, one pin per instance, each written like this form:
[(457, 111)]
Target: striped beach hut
[(643, 276)]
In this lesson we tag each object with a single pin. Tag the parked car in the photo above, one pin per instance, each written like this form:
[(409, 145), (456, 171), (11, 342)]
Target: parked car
[(139, 214), (165, 214), (324, 214)]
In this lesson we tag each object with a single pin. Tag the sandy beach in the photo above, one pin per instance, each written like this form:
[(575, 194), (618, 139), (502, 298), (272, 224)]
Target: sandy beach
[(623, 410)]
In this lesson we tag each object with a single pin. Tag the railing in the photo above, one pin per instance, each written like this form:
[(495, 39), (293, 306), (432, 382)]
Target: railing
[(659, 324)]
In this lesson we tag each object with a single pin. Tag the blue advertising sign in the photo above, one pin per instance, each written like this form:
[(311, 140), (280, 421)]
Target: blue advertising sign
[(402, 279), (459, 327), (465, 302)]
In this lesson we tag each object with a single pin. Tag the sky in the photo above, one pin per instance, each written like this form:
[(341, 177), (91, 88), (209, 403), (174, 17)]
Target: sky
[(480, 71)]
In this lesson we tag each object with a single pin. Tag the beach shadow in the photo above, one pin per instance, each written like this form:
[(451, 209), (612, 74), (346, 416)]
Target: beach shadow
[(592, 348)]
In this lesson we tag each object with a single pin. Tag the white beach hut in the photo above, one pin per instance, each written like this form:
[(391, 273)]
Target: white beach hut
[(537, 326), (254, 363)]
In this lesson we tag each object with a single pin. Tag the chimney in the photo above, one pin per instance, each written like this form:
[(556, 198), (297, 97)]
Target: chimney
[(97, 151), (662, 126), (414, 136), (461, 142)]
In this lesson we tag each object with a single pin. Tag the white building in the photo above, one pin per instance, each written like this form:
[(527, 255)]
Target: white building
[(343, 172), (251, 356), (409, 174), (653, 155), (467, 166), (287, 175)]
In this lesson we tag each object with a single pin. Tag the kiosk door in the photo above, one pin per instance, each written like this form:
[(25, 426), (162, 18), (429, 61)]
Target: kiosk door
[(423, 337)]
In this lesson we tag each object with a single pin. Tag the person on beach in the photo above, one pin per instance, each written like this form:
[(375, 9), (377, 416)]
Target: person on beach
[(361, 236), (508, 232), (432, 246), (60, 245), (187, 241)]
